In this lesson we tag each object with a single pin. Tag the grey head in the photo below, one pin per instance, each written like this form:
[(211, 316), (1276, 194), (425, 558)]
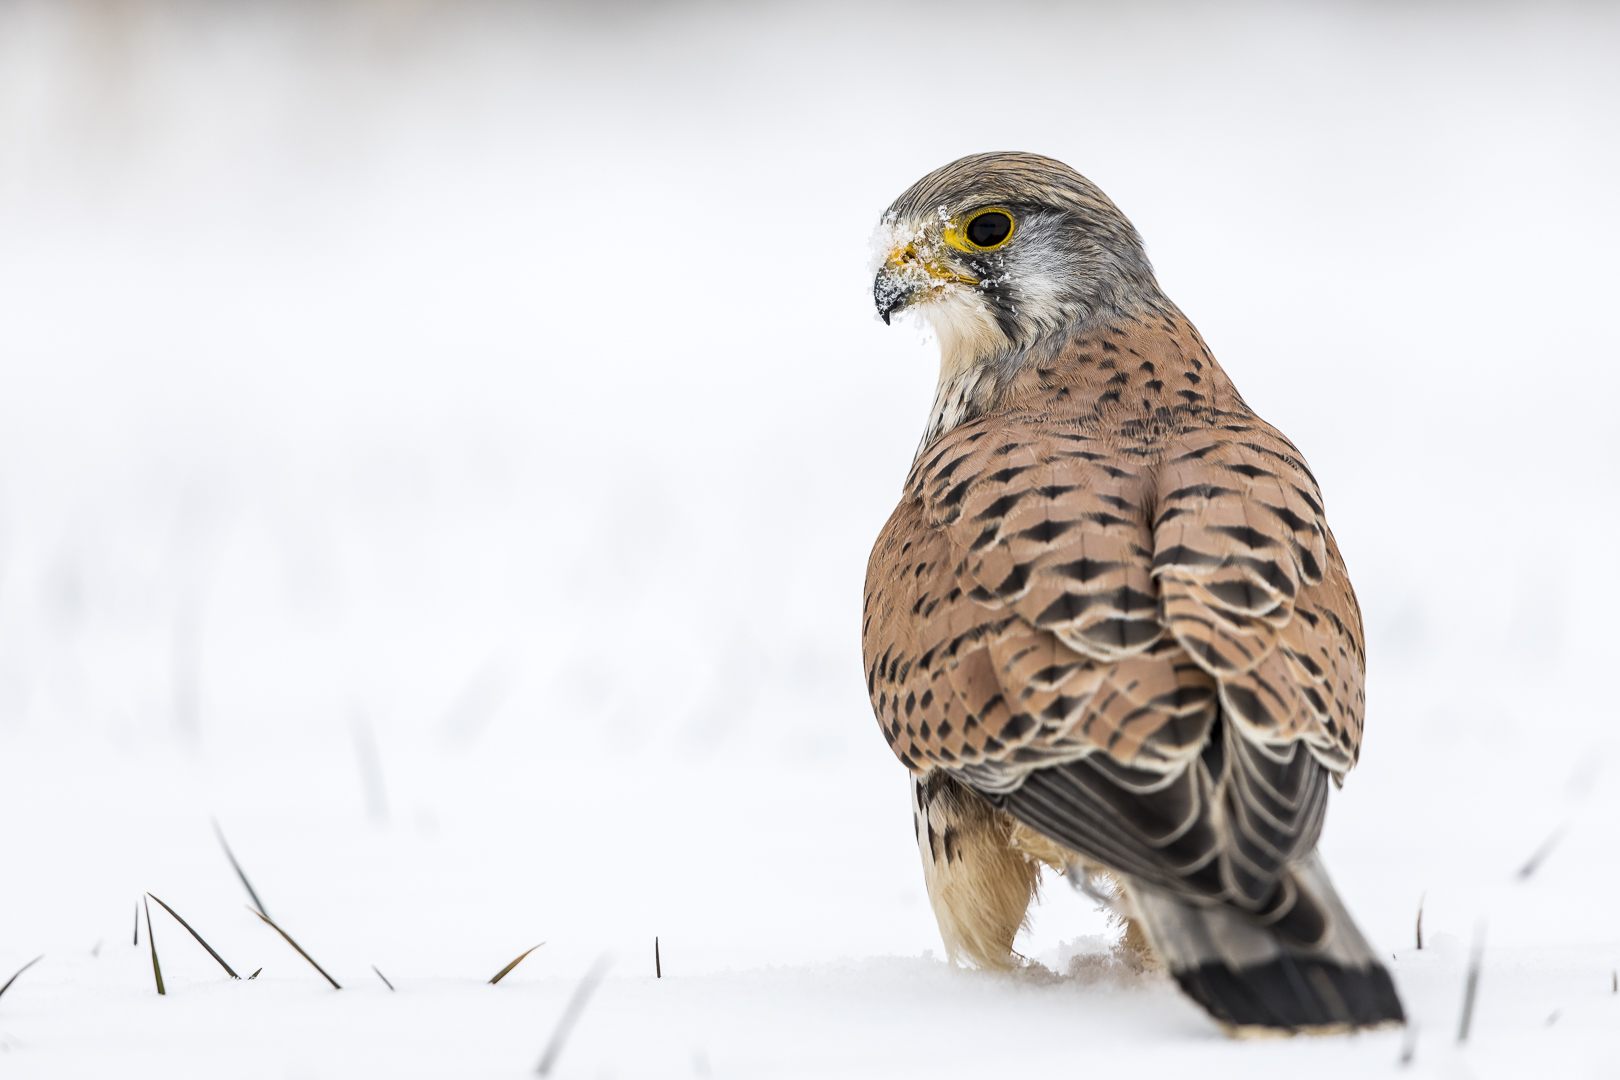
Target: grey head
[(1002, 252)]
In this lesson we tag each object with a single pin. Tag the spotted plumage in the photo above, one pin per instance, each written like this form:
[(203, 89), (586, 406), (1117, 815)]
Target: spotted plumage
[(1108, 607)]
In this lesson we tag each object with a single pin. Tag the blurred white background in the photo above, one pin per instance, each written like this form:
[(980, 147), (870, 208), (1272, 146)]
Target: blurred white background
[(444, 442)]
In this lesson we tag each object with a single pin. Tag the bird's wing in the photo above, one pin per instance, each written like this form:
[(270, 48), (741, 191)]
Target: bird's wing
[(1010, 620), (1251, 584), (1053, 620)]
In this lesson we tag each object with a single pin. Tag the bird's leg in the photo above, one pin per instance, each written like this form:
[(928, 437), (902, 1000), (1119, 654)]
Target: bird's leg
[(979, 884)]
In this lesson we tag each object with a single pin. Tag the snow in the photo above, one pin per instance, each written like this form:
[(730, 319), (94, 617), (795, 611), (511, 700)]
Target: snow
[(443, 445)]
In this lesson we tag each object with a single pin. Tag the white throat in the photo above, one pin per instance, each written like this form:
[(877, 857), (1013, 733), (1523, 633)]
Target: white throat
[(969, 337)]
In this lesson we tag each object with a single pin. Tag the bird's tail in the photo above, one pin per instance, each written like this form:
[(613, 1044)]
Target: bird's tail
[(1250, 975)]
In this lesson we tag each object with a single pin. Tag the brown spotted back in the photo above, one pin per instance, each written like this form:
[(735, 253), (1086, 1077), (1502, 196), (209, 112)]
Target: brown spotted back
[(1096, 569)]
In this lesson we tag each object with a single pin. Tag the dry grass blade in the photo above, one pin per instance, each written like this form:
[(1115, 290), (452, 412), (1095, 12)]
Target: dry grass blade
[(1420, 922), (136, 940), (371, 770), (1540, 855), (295, 945), (570, 1016), (1471, 989), (157, 969), (1409, 1045), (218, 958), (383, 977), (658, 962), (255, 974), (20, 970), (501, 974), (246, 884)]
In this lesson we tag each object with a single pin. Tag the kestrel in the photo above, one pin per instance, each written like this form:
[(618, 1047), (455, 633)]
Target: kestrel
[(1107, 628)]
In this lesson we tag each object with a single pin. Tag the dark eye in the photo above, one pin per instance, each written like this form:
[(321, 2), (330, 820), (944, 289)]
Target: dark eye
[(989, 228)]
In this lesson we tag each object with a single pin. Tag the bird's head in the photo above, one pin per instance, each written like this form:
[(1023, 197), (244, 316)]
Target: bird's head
[(1001, 251)]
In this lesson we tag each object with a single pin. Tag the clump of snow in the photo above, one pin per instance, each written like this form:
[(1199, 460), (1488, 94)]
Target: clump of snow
[(1096, 959), (908, 256)]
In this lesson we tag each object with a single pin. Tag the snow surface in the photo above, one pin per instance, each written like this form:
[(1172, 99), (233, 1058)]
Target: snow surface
[(443, 443)]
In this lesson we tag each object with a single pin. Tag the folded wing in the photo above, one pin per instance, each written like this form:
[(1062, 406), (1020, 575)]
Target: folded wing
[(1112, 645)]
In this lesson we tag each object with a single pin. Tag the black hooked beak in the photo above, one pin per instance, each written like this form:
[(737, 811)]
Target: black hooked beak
[(890, 294)]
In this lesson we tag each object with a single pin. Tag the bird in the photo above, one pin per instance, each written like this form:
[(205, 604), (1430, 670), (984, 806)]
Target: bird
[(1107, 629)]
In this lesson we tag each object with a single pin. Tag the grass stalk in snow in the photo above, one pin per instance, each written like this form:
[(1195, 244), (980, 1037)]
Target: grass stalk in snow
[(1539, 856), (157, 969), (383, 977), (658, 962), (371, 772), (501, 974), (136, 939), (255, 974), (571, 1013), (246, 884), (1409, 1044), (1471, 989), (218, 958), (295, 945), (19, 971), (1420, 922)]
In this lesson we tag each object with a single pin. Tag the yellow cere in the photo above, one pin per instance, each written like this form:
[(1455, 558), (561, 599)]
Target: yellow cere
[(924, 267)]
